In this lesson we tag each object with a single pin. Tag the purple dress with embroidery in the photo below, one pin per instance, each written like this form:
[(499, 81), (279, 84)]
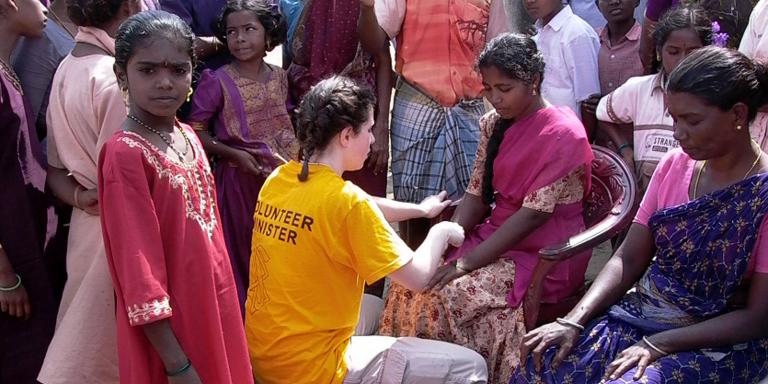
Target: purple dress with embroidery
[(249, 115)]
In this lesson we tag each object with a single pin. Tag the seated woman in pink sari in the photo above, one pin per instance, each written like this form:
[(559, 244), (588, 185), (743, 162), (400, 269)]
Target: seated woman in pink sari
[(533, 164)]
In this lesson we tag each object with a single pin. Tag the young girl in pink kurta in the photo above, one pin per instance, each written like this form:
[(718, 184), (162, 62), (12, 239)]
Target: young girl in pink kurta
[(178, 319)]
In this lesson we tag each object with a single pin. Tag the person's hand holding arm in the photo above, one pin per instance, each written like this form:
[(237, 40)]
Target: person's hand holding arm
[(623, 146), (470, 212), (417, 273), (514, 230), (244, 159)]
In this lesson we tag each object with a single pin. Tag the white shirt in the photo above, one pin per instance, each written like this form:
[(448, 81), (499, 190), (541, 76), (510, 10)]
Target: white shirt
[(570, 48), (754, 44), (755, 41), (640, 101)]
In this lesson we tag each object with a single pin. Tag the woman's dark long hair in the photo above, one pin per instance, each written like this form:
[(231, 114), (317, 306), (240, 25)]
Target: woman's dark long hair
[(517, 57)]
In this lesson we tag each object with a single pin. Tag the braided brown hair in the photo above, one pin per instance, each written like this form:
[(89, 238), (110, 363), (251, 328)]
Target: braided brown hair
[(330, 106)]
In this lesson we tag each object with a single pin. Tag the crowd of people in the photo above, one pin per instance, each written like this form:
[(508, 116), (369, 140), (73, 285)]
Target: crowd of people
[(178, 210)]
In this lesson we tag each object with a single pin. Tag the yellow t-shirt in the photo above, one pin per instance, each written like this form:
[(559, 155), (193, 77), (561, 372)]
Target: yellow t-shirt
[(315, 244)]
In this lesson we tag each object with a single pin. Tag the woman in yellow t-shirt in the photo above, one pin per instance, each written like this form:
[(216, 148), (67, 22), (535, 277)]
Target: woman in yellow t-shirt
[(318, 239)]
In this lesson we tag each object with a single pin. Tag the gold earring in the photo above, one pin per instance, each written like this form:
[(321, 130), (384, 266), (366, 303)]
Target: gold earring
[(126, 97), (189, 94), (658, 58)]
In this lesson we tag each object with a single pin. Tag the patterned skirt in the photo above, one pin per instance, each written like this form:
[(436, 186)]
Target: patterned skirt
[(606, 337), (470, 311)]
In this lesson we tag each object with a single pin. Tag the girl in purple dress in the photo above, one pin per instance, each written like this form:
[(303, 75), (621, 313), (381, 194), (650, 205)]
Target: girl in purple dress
[(240, 116)]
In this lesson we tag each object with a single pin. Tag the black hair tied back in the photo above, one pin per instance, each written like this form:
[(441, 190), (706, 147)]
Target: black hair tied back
[(143, 26), (722, 77)]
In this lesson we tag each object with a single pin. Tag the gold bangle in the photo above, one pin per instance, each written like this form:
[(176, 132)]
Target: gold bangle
[(78, 189), (462, 269)]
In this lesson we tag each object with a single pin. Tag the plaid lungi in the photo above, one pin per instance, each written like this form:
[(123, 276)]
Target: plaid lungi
[(433, 147)]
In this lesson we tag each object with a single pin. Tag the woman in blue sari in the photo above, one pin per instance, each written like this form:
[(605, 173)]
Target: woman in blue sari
[(698, 242)]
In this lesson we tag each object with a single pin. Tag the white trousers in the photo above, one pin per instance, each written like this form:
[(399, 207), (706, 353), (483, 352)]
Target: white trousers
[(390, 360)]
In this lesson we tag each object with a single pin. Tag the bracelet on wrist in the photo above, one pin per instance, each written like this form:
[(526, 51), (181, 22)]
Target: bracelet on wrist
[(655, 348), (179, 371), (14, 287), (621, 147), (78, 190), (569, 323), (462, 269)]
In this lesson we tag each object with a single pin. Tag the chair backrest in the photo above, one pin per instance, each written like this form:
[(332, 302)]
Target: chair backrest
[(608, 207), (612, 181)]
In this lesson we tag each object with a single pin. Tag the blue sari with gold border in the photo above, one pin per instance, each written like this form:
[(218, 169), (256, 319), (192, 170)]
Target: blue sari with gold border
[(702, 254)]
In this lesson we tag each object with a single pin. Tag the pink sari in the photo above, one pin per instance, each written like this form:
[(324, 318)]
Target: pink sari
[(482, 310), (536, 152)]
